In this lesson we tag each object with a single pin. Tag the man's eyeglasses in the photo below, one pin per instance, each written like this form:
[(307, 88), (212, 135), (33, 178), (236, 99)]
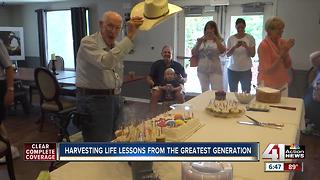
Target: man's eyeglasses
[(111, 27)]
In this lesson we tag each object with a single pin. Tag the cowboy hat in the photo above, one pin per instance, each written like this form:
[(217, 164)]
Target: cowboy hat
[(154, 12)]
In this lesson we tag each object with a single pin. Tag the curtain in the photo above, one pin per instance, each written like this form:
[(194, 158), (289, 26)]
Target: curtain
[(79, 27), (42, 31)]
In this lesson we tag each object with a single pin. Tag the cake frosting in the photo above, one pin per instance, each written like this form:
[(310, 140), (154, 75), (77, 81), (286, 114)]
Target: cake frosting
[(171, 126), (182, 129)]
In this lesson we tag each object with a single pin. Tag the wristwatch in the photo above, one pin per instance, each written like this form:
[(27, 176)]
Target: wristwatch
[(10, 88)]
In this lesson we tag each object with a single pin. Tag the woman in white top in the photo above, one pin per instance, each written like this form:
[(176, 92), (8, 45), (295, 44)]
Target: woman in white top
[(241, 47), (208, 49)]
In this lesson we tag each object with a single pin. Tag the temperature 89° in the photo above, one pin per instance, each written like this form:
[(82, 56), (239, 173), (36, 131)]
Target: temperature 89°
[(293, 166)]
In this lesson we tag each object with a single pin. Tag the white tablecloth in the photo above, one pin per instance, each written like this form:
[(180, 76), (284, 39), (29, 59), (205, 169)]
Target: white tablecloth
[(215, 130)]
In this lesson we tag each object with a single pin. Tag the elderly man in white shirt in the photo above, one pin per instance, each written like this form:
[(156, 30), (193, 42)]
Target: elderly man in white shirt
[(99, 76)]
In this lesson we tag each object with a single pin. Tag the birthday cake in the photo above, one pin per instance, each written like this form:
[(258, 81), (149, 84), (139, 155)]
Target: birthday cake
[(225, 109), (174, 127), (268, 95), (135, 133)]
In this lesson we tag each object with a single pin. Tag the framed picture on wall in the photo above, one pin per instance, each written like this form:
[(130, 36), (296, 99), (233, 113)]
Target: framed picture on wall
[(12, 38)]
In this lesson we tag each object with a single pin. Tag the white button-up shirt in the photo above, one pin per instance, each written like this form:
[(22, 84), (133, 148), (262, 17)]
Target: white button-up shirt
[(98, 66)]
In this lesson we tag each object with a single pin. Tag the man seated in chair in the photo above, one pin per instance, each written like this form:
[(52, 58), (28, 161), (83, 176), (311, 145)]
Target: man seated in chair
[(156, 77)]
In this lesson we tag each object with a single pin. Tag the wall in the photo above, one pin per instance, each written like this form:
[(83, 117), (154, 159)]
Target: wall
[(138, 89), (148, 45), (12, 20), (4, 18), (302, 23)]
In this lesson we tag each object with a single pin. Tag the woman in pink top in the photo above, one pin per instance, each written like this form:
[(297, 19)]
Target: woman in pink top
[(274, 58)]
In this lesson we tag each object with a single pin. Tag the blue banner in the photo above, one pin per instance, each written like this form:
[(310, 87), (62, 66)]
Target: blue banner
[(159, 151)]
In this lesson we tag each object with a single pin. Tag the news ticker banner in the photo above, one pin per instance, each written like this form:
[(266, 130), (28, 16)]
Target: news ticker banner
[(283, 166), (142, 151)]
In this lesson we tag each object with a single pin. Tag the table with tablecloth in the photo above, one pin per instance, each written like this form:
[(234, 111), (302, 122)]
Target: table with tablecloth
[(214, 130)]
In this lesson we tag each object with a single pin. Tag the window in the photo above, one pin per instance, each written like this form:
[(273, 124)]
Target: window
[(59, 36), (193, 30)]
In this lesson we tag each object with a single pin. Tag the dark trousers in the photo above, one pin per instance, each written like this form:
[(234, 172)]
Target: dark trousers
[(102, 120), (3, 89), (244, 77)]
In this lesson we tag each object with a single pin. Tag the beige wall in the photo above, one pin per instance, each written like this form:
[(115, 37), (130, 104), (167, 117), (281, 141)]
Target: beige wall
[(302, 19), (9, 16)]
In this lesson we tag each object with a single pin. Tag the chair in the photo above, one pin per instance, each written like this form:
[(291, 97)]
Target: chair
[(75, 118), (5, 150), (51, 102), (59, 63)]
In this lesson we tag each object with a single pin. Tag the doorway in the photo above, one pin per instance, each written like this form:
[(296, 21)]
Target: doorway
[(255, 16), (254, 27)]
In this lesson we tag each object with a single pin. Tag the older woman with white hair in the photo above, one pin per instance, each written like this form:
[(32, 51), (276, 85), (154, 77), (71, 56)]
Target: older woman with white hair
[(312, 100), (274, 58)]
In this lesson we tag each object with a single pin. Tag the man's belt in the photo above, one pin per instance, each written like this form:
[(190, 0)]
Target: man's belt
[(86, 91)]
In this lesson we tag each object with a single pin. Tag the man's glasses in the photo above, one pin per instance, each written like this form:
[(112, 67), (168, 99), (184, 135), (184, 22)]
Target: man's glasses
[(111, 27)]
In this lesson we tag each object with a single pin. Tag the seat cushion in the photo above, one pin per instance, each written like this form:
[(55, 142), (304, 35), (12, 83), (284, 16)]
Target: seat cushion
[(52, 106)]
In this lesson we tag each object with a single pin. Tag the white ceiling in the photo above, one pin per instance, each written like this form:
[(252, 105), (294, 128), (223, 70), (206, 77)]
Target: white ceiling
[(26, 1)]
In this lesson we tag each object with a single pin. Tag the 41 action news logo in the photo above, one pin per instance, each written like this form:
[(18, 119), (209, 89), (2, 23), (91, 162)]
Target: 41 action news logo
[(280, 152)]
